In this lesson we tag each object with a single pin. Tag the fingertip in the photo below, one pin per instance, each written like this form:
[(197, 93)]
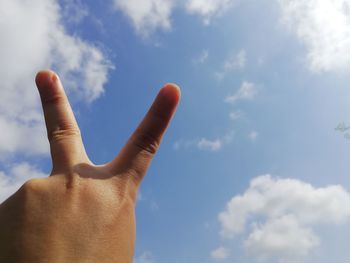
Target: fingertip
[(172, 92), (45, 77)]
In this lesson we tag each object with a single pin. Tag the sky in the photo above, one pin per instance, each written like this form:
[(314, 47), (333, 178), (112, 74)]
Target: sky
[(254, 166)]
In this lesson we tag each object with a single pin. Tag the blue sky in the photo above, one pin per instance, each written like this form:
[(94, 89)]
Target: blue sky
[(251, 168)]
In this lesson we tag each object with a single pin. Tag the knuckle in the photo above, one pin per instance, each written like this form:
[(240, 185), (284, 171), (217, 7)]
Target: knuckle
[(146, 143), (55, 99), (126, 187), (61, 134), (135, 175), (32, 186)]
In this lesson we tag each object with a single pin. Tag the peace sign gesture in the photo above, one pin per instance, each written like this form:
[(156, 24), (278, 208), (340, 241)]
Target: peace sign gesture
[(82, 212)]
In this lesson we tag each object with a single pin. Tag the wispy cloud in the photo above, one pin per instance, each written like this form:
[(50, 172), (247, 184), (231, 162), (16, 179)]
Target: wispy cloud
[(236, 115), (253, 136), (205, 144), (147, 16), (234, 62), (207, 9), (247, 91), (282, 214), (220, 253), (211, 145), (146, 200), (74, 11), (145, 257), (203, 56)]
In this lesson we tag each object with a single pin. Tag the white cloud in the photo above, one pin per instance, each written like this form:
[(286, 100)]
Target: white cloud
[(247, 91), (17, 175), (15, 134), (282, 214), (205, 144), (232, 63), (74, 11), (253, 135), (236, 62), (202, 57), (146, 257), (235, 115), (323, 26), (209, 8), (147, 15), (32, 38), (211, 145), (283, 237), (220, 253)]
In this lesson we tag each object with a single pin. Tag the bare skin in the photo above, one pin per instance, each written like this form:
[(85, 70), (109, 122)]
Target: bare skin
[(82, 212)]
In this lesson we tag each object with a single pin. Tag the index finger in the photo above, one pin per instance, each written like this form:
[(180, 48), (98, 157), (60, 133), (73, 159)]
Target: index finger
[(140, 149)]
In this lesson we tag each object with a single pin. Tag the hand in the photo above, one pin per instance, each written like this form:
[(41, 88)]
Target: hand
[(82, 212)]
